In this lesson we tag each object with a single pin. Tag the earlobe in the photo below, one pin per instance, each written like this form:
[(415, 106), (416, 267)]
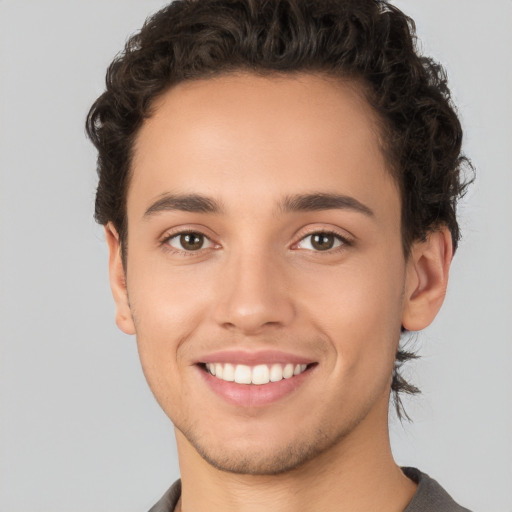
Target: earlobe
[(124, 319), (427, 279)]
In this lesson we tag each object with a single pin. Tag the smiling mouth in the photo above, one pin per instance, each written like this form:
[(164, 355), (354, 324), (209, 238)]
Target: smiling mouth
[(256, 375)]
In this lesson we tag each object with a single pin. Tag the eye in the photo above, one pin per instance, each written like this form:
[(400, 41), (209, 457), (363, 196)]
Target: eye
[(322, 241), (189, 241)]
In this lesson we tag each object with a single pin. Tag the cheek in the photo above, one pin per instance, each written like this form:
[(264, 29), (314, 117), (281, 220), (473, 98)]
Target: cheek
[(359, 310), (165, 299), (167, 308)]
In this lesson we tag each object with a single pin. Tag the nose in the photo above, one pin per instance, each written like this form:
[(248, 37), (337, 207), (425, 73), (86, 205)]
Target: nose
[(254, 296)]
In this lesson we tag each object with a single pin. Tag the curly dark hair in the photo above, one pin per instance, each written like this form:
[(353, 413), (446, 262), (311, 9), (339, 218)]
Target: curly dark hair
[(369, 41)]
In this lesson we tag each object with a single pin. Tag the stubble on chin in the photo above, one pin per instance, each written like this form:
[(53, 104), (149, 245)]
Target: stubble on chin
[(265, 460)]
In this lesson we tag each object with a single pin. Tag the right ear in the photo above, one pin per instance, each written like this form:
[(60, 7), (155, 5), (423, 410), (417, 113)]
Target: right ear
[(124, 318)]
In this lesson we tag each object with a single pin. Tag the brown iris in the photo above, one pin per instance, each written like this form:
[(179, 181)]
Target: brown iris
[(192, 241), (323, 241)]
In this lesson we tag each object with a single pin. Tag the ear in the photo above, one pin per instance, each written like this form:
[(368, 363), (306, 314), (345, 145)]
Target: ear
[(427, 278), (124, 319)]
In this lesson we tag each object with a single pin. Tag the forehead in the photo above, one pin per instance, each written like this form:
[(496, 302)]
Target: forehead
[(243, 135)]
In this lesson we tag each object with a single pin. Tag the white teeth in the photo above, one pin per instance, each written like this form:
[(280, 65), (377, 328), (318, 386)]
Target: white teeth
[(299, 369), (228, 373), (242, 374), (276, 373), (258, 375), (288, 371)]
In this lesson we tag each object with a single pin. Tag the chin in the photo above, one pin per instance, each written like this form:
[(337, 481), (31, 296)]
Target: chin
[(261, 463), (263, 456)]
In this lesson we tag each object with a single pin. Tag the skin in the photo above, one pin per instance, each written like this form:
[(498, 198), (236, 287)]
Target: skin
[(248, 143)]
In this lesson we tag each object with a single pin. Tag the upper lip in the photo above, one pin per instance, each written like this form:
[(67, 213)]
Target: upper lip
[(252, 358)]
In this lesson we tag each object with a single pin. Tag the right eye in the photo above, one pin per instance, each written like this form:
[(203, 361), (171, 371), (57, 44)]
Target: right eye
[(189, 241)]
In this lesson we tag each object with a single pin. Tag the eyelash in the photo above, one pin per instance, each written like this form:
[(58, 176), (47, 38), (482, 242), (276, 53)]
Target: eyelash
[(344, 241), (164, 243)]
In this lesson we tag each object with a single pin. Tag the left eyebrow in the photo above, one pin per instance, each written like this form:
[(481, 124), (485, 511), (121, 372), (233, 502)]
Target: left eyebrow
[(324, 201)]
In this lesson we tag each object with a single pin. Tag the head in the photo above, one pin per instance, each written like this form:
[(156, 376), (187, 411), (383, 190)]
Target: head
[(364, 48)]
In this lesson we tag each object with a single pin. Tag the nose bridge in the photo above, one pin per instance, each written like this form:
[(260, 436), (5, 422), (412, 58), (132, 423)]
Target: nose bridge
[(253, 294)]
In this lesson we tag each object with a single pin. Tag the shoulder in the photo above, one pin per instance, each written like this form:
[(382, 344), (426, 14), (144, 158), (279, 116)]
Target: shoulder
[(168, 501), (430, 496)]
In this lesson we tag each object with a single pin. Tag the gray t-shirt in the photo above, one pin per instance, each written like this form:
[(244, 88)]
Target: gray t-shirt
[(429, 497)]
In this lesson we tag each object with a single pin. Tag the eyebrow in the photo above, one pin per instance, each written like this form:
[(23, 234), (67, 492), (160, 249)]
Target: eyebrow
[(324, 201), (194, 203)]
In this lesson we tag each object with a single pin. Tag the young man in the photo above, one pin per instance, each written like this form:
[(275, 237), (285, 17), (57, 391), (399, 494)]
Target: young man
[(278, 183)]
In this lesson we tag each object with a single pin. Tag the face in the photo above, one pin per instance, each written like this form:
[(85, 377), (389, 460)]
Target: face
[(264, 246)]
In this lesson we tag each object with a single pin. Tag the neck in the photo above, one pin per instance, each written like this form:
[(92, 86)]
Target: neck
[(357, 474)]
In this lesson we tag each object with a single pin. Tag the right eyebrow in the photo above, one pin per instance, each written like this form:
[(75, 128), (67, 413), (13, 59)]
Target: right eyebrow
[(184, 202)]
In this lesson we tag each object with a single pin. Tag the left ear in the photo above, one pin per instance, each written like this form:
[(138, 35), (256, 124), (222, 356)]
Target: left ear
[(427, 278)]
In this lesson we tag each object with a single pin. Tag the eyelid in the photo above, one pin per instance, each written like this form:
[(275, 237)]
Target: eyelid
[(187, 228), (177, 236), (183, 230), (346, 239)]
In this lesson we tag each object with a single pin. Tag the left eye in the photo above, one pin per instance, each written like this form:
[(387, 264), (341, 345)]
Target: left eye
[(190, 241), (320, 242)]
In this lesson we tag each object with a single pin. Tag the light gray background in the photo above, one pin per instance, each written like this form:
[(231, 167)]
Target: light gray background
[(79, 430)]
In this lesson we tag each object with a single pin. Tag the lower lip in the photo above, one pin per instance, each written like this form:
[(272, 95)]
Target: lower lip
[(252, 395)]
